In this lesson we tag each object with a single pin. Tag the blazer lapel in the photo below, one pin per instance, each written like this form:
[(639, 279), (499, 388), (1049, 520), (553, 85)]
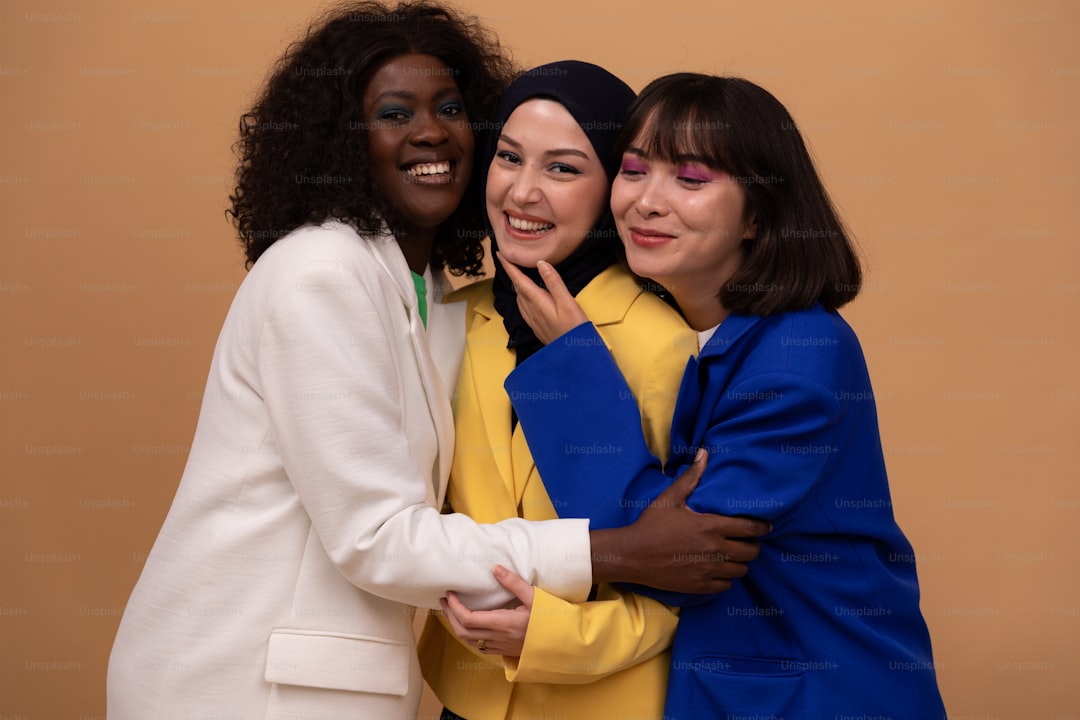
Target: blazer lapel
[(489, 361), (445, 330), (683, 443), (389, 255), (688, 426)]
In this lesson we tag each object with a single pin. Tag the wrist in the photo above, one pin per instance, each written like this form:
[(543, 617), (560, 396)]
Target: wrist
[(610, 556)]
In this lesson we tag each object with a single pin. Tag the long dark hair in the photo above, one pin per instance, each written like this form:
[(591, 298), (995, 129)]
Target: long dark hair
[(303, 155), (801, 254)]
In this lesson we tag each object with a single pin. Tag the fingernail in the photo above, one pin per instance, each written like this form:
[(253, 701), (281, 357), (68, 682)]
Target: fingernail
[(700, 455), (544, 267), (499, 571)]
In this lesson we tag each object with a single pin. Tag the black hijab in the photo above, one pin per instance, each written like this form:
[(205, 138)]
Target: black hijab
[(597, 100)]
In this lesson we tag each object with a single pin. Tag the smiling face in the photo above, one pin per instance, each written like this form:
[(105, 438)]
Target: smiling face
[(419, 140), (683, 225), (546, 188)]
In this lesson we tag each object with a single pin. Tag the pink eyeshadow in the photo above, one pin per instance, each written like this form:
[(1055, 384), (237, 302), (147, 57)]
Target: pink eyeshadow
[(695, 174)]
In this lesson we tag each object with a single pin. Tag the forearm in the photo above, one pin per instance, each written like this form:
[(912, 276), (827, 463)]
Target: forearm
[(415, 557)]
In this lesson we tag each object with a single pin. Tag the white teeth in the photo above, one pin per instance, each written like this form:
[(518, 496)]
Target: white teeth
[(439, 168), (519, 224)]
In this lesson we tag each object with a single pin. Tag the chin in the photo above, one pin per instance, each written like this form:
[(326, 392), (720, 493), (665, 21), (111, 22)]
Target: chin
[(434, 217), (641, 266), (651, 272), (514, 254)]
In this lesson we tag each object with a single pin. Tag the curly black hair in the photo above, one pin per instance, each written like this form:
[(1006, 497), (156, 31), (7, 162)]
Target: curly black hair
[(307, 122)]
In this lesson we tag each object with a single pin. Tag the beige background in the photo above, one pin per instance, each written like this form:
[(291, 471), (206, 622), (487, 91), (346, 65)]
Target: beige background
[(946, 133)]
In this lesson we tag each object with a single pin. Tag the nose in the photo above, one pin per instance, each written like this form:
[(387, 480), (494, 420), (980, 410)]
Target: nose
[(651, 199), (428, 129), (525, 190)]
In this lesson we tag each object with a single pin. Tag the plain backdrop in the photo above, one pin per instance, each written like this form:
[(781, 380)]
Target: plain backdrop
[(946, 133)]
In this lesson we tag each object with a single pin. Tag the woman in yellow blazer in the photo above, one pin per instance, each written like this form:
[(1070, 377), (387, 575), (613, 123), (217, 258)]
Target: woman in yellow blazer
[(548, 172)]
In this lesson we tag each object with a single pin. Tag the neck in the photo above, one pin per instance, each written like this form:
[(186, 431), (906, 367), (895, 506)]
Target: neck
[(416, 246), (701, 311)]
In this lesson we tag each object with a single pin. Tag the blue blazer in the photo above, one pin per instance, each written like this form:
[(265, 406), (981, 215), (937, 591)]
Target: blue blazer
[(827, 622)]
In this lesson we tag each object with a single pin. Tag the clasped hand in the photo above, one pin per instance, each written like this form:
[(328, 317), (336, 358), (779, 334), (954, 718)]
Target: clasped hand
[(724, 547), (503, 630)]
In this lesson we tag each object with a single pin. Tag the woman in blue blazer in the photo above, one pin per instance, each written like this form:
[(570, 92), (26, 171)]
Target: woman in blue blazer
[(718, 202)]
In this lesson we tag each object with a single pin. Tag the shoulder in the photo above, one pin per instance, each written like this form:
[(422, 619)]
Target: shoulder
[(649, 340), (475, 294), (332, 241), (328, 268), (331, 249), (802, 331), (610, 295), (615, 297), (816, 344), (634, 321)]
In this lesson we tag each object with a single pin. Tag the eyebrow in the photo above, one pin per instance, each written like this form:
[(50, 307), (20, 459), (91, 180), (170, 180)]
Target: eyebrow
[(548, 153), (410, 95), (694, 158), (677, 160)]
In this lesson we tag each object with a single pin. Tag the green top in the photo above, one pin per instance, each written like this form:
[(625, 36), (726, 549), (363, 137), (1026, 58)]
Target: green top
[(421, 296)]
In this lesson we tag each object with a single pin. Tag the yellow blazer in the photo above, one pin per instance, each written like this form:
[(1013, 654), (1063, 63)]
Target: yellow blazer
[(604, 658)]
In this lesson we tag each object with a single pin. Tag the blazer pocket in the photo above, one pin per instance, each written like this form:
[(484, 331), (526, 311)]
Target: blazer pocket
[(334, 661), (747, 687)]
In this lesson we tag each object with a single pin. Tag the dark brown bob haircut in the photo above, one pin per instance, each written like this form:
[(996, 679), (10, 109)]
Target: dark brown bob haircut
[(303, 146), (801, 254)]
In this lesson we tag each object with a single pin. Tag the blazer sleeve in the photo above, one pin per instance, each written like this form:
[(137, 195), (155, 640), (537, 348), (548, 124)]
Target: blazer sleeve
[(578, 643), (584, 429), (768, 444), (329, 373)]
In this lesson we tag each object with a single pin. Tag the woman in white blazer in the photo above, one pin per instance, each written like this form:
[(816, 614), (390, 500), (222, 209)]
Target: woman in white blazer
[(306, 524)]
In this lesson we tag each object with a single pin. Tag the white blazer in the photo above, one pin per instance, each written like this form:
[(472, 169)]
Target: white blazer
[(306, 524)]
